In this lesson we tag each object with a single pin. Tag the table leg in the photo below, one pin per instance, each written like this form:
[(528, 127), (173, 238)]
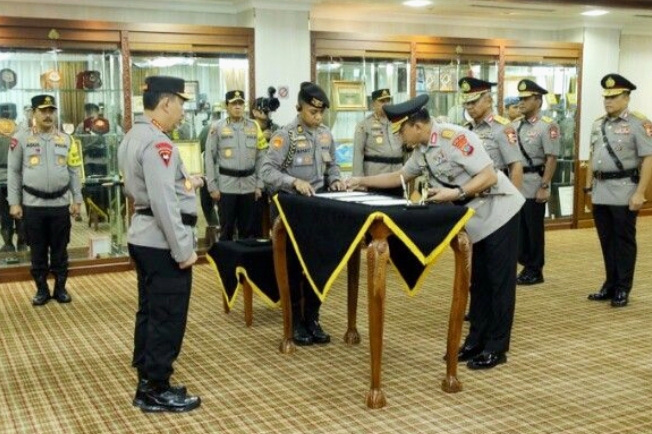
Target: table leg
[(352, 337), (377, 257), (248, 301), (462, 249), (279, 243)]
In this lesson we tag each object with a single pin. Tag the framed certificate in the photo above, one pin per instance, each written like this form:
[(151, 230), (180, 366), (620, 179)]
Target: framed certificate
[(349, 95), (190, 152)]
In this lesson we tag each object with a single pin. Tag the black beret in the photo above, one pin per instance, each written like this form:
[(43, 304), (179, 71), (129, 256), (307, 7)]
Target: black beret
[(399, 113), (165, 84), (473, 88), (234, 95), (615, 84), (528, 88), (43, 101), (313, 95), (380, 94)]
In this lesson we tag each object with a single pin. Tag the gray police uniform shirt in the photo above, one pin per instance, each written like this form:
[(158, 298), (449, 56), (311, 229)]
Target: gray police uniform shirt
[(43, 162), (539, 136), (5, 141), (155, 178), (373, 137), (233, 146), (298, 152), (454, 155), (630, 136), (499, 140)]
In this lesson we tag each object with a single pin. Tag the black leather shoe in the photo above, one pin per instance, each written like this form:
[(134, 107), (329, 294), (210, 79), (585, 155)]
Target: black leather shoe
[(62, 296), (466, 352), (319, 336), (487, 360), (621, 298), (144, 386), (156, 401), (602, 295), (300, 335), (529, 279), (41, 298)]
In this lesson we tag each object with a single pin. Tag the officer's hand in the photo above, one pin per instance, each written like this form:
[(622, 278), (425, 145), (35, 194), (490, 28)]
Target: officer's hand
[(197, 181), (542, 195), (258, 193), (439, 195), (636, 201), (337, 186), (74, 209), (189, 262), (16, 211), (216, 195), (303, 187), (354, 183)]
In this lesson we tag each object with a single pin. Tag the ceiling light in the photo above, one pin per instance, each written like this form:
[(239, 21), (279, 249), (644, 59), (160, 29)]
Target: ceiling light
[(595, 13), (417, 3)]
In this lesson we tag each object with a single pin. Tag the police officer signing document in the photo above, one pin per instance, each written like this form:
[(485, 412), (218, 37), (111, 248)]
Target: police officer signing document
[(161, 242), (43, 172), (458, 169), (620, 169)]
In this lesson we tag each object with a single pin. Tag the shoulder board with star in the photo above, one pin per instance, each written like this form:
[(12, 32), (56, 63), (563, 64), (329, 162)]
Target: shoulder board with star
[(639, 115), (501, 120), (547, 119), (448, 134)]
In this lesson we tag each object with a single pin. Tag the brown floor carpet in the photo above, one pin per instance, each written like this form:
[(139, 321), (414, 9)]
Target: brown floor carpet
[(574, 366)]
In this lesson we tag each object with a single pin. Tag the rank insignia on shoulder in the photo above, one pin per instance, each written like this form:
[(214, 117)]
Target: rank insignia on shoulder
[(639, 115), (448, 134), (546, 119), (165, 152), (462, 143), (501, 120), (433, 139)]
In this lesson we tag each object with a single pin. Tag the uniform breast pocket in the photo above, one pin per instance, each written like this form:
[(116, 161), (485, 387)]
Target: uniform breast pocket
[(61, 156), (34, 159), (250, 144)]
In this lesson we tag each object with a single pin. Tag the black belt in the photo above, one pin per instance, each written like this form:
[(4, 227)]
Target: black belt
[(616, 175), (186, 219), (237, 173), (385, 160), (534, 169), (44, 194)]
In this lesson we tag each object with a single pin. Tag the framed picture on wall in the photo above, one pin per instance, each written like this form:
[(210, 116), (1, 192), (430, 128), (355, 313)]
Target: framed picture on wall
[(191, 88), (348, 95), (190, 152)]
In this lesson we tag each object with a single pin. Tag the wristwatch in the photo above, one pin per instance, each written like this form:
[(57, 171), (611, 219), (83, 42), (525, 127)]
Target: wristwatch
[(545, 185), (462, 195)]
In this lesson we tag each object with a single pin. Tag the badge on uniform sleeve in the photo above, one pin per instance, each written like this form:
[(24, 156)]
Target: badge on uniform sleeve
[(512, 138), (648, 128), (165, 152), (554, 132), (14, 143), (278, 142), (463, 145)]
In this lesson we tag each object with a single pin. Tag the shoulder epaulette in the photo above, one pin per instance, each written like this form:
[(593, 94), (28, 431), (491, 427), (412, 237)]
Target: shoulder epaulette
[(639, 115), (600, 118), (501, 120), (448, 134), (547, 119)]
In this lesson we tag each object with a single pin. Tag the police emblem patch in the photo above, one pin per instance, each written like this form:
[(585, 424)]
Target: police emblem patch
[(463, 145), (278, 142), (165, 152), (511, 136)]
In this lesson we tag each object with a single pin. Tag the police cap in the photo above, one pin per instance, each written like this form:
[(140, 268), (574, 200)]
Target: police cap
[(528, 88), (510, 101), (380, 94), (314, 95), (165, 84), (234, 95), (615, 84), (399, 113), (43, 101), (473, 88)]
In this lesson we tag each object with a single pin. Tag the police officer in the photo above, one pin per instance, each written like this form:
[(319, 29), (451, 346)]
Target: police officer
[(207, 203), (299, 161), (375, 148), (8, 225), (619, 171), (234, 151), (161, 242), (538, 138), (43, 169), (497, 134), (458, 169), (512, 110)]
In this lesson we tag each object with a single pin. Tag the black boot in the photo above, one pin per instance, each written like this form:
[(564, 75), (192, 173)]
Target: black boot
[(300, 334), (42, 291), (159, 397), (319, 336), (144, 386), (60, 292)]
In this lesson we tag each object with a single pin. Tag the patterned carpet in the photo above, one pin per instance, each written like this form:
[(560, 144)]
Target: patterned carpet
[(574, 366)]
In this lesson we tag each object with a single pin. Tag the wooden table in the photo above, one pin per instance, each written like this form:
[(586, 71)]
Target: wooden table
[(378, 254)]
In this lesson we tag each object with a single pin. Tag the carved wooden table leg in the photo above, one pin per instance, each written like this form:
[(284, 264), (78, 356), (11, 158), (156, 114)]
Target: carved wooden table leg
[(248, 301), (352, 337), (462, 249), (279, 243), (377, 257)]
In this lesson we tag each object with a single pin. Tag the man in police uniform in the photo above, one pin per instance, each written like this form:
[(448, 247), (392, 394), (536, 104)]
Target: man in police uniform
[(8, 225), (497, 134), (375, 148), (43, 169), (234, 150), (512, 110), (538, 138), (458, 169), (619, 171), (161, 242), (299, 161)]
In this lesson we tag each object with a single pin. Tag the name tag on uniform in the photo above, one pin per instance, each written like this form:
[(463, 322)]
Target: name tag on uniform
[(302, 144), (622, 130)]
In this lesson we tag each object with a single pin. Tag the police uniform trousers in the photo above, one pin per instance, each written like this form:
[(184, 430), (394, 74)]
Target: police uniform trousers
[(208, 206), (163, 298), (493, 288), (616, 226), (236, 210), (8, 224), (531, 242), (47, 229), (260, 224)]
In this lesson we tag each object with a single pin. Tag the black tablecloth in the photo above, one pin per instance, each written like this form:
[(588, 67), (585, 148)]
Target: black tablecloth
[(251, 259), (325, 233)]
